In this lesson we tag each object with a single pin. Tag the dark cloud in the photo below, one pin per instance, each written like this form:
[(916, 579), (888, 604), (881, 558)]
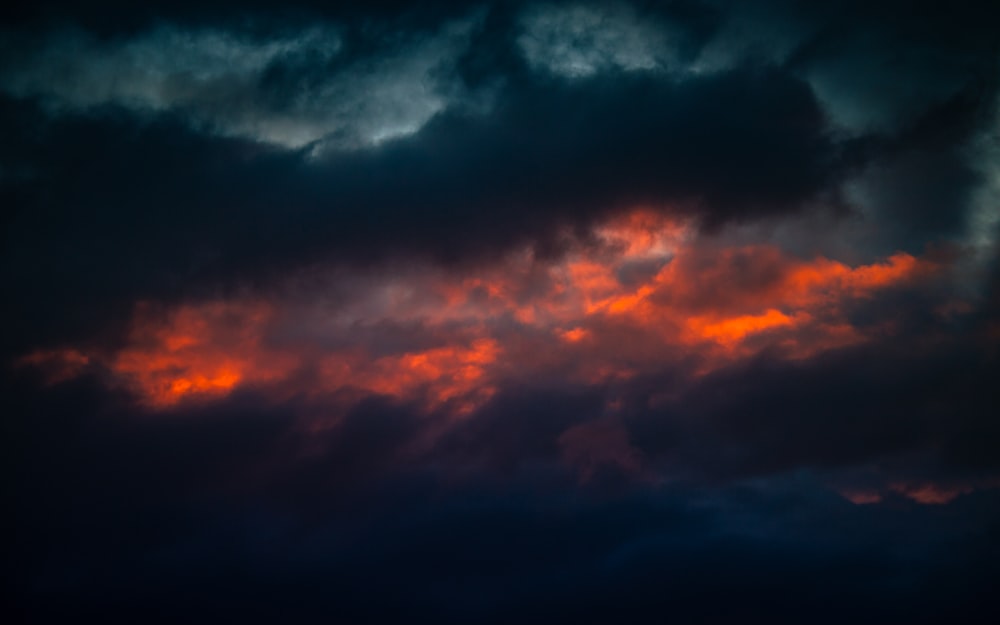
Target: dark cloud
[(502, 156), (737, 140), (381, 215), (185, 208), (232, 511), (846, 409)]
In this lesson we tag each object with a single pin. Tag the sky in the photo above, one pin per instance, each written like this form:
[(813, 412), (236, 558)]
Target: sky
[(494, 312)]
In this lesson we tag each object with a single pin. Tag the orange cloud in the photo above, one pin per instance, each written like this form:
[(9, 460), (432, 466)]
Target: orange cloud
[(198, 351), (861, 497), (930, 493), (639, 292), (444, 374), (574, 335), (58, 365), (731, 330)]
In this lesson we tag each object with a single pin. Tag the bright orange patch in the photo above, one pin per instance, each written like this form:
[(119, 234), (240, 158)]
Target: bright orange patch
[(735, 329)]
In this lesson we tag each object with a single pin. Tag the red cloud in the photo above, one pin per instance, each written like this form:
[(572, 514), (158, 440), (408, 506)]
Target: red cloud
[(583, 317)]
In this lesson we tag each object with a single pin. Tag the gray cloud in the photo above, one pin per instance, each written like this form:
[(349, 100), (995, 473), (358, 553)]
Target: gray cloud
[(577, 41), (289, 90), (983, 218), (868, 86)]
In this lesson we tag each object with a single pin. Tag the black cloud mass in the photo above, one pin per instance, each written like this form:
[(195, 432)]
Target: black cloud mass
[(511, 311)]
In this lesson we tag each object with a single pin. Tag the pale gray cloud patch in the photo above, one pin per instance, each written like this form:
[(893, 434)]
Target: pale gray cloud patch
[(219, 81), (582, 40), (982, 223)]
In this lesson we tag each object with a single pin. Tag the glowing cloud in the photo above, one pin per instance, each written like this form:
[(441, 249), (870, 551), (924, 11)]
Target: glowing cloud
[(638, 294)]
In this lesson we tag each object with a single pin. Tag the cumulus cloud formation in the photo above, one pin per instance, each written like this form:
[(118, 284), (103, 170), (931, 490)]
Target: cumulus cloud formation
[(500, 311)]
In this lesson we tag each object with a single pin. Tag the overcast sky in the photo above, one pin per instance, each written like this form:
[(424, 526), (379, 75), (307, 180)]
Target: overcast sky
[(450, 312)]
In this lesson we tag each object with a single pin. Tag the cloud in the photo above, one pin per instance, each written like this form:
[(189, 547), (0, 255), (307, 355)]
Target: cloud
[(579, 41), (193, 211), (451, 338), (225, 501), (500, 311), (982, 220), (457, 146), (288, 90)]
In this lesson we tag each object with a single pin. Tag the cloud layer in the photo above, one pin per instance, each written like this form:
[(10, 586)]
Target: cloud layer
[(586, 312)]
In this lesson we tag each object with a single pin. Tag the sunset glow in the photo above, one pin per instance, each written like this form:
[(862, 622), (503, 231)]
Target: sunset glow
[(689, 304)]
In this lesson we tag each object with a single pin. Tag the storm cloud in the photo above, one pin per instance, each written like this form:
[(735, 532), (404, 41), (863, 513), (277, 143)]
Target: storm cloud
[(496, 311)]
